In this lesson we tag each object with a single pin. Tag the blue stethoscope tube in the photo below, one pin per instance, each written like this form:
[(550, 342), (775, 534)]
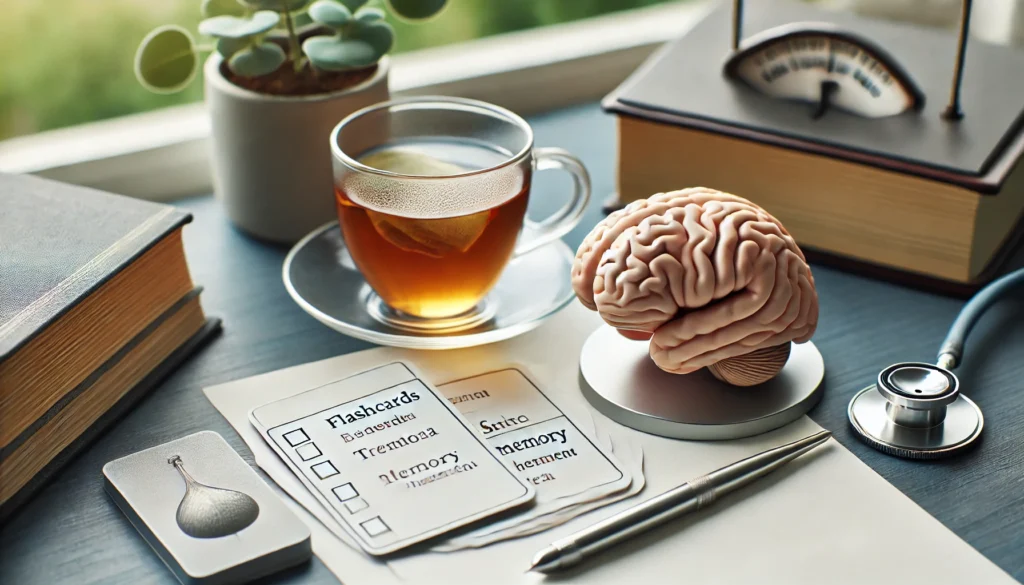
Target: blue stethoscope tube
[(953, 346)]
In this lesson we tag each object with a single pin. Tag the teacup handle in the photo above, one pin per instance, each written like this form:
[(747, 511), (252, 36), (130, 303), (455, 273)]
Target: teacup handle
[(538, 233)]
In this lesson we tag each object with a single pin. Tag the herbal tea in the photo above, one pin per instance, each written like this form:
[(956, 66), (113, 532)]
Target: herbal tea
[(429, 245)]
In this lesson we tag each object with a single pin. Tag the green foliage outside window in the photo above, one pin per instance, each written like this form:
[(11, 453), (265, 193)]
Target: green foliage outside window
[(68, 62)]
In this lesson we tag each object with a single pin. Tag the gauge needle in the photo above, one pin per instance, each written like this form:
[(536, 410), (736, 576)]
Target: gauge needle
[(828, 88)]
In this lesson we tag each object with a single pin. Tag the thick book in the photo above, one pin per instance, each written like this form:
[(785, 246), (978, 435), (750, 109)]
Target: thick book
[(95, 295), (101, 400), (913, 196)]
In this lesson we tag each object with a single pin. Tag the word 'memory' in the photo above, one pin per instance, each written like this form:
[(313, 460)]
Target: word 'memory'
[(545, 459), (557, 437), (398, 475), (506, 422), (393, 422), (367, 410), (367, 452)]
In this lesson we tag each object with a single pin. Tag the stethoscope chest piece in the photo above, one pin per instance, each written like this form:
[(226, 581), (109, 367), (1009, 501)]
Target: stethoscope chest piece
[(915, 410)]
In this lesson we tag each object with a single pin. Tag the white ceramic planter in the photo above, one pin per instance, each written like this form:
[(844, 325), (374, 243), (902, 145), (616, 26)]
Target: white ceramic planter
[(270, 154)]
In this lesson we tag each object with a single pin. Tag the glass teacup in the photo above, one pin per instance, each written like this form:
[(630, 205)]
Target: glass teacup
[(432, 195)]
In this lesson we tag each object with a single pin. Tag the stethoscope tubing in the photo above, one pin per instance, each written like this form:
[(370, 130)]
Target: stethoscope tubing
[(952, 348)]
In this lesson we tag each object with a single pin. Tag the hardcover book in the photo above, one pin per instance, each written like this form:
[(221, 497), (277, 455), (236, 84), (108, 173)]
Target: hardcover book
[(95, 299), (912, 196)]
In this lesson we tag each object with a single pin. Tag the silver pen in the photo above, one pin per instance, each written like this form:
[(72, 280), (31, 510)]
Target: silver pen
[(689, 497)]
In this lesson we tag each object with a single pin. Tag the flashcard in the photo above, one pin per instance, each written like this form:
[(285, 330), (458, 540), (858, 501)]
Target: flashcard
[(544, 446), (390, 458)]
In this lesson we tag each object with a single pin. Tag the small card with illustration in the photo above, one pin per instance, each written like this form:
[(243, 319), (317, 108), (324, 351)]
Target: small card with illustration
[(205, 512)]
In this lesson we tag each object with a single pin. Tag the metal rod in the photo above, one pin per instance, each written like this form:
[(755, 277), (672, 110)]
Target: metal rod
[(737, 23), (953, 111)]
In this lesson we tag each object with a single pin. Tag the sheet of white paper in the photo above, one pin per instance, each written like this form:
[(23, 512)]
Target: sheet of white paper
[(390, 458), (824, 518)]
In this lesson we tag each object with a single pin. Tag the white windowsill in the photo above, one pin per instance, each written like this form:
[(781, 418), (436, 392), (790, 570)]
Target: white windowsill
[(162, 155)]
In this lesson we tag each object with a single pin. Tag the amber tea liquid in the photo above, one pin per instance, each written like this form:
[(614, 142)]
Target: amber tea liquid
[(433, 247)]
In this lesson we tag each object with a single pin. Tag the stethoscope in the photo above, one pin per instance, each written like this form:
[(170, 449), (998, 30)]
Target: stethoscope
[(916, 410)]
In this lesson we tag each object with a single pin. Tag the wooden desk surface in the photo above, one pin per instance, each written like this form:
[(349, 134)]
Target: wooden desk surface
[(73, 533)]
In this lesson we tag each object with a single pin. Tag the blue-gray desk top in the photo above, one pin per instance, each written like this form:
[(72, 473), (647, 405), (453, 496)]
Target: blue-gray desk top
[(73, 533)]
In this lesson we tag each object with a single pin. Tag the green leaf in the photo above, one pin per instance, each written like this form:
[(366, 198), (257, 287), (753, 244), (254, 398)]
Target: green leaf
[(211, 8), (166, 60), (416, 9), (331, 53), (369, 14), (353, 5), (257, 60), (233, 27), (377, 34), (276, 5), (228, 47), (330, 13)]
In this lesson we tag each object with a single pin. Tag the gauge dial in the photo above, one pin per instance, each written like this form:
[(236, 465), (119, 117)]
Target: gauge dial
[(819, 63)]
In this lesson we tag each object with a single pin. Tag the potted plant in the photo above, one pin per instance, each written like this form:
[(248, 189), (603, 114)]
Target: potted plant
[(280, 75)]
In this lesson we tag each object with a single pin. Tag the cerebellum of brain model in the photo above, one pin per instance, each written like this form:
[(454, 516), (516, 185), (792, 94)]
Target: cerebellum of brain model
[(707, 275)]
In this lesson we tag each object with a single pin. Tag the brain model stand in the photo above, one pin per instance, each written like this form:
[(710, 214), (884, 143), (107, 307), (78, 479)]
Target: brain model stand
[(719, 293)]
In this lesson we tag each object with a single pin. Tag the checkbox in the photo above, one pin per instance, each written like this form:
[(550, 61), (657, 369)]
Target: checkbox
[(296, 437), (324, 470), (308, 451), (375, 526), (345, 492), (356, 505)]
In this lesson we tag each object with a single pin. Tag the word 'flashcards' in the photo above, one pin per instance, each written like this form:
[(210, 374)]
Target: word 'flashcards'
[(390, 458)]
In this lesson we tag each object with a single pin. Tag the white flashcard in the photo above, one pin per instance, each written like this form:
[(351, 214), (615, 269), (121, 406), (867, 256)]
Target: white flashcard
[(547, 448), (569, 468), (390, 458)]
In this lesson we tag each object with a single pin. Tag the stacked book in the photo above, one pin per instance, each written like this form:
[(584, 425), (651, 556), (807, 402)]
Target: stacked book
[(96, 306), (914, 197)]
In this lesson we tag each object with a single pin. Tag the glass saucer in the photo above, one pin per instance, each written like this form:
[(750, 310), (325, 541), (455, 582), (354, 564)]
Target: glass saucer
[(320, 276)]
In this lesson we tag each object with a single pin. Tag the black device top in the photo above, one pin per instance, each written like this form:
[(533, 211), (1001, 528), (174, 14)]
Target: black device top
[(685, 84)]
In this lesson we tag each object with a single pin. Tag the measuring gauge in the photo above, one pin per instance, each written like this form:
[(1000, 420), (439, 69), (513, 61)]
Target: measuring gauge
[(819, 63)]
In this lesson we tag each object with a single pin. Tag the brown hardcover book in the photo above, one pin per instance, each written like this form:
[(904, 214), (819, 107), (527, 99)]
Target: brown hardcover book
[(913, 195), (95, 295)]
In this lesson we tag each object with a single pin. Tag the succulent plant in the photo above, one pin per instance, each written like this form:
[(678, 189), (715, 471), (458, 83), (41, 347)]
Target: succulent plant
[(351, 35)]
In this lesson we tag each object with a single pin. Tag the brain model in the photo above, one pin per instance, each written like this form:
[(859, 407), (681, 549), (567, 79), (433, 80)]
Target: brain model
[(712, 279)]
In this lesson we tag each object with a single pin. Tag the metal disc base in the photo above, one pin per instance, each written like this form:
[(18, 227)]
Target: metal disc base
[(958, 431), (618, 377)]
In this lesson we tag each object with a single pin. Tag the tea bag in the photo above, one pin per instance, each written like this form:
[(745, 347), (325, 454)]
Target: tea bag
[(433, 237)]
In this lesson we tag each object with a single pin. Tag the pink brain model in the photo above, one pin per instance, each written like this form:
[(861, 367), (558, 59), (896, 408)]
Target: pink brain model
[(706, 275)]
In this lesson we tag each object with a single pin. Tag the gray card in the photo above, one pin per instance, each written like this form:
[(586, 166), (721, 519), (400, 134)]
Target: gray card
[(205, 512)]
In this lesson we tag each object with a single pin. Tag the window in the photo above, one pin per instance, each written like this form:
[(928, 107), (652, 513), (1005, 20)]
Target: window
[(67, 62)]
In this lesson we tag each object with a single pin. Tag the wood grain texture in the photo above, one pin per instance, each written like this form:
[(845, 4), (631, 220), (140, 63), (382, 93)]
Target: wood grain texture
[(72, 533)]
